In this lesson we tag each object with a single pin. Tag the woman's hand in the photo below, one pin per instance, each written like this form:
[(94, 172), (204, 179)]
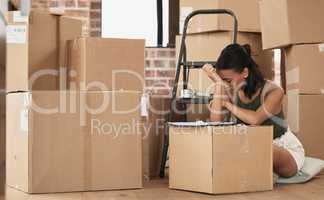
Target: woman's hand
[(211, 73), (226, 103)]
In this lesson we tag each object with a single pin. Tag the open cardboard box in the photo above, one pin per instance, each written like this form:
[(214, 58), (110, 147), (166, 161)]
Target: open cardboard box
[(220, 158)]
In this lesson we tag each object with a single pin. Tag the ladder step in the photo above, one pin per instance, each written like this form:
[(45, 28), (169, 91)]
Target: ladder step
[(196, 100), (197, 65)]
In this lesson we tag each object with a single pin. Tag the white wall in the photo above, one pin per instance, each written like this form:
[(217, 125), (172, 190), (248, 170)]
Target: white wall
[(133, 19)]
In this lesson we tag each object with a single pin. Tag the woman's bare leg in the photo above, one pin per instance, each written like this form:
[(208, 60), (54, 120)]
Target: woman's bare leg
[(283, 162)]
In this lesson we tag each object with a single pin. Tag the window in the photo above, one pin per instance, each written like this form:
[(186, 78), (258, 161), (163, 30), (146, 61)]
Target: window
[(134, 19)]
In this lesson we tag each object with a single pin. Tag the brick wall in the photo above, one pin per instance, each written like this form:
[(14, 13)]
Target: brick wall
[(89, 10), (160, 70), (95, 17)]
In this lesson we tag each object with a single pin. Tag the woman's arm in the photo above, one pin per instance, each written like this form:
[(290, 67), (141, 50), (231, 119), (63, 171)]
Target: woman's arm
[(216, 105), (272, 105)]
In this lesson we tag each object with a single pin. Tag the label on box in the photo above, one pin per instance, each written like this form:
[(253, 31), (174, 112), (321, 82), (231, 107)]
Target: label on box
[(145, 105), (292, 76), (293, 112), (24, 120), (16, 34), (321, 47), (18, 17), (184, 12)]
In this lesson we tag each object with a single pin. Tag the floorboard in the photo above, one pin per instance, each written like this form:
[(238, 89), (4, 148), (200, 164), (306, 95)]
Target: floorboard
[(158, 189)]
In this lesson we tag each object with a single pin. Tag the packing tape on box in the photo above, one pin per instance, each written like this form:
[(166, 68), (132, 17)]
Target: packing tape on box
[(321, 47), (24, 120), (27, 100), (24, 113)]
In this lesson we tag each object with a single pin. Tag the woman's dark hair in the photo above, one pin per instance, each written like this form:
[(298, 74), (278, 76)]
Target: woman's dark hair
[(237, 57)]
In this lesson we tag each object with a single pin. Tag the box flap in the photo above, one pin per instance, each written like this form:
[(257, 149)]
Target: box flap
[(191, 158), (199, 124), (242, 159)]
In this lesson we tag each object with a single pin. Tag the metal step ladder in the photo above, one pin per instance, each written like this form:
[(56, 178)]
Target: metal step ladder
[(187, 66)]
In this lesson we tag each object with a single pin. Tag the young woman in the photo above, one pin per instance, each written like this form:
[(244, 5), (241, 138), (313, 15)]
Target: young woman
[(254, 101)]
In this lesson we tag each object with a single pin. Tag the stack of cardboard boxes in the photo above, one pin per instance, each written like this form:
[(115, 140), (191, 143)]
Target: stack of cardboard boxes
[(297, 28), (59, 69), (92, 60), (84, 138), (208, 35)]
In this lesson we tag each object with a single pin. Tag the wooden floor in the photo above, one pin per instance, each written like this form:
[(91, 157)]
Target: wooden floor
[(158, 189)]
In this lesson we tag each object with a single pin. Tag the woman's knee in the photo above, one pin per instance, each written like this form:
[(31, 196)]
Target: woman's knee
[(283, 162), (287, 171)]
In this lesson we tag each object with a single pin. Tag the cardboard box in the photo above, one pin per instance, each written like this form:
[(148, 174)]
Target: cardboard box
[(73, 141), (207, 47), (2, 102), (38, 41), (247, 13), (106, 64), (305, 120), (221, 159), (304, 68), (2, 78), (287, 22), (153, 134), (2, 128), (2, 92), (154, 124), (2, 140)]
